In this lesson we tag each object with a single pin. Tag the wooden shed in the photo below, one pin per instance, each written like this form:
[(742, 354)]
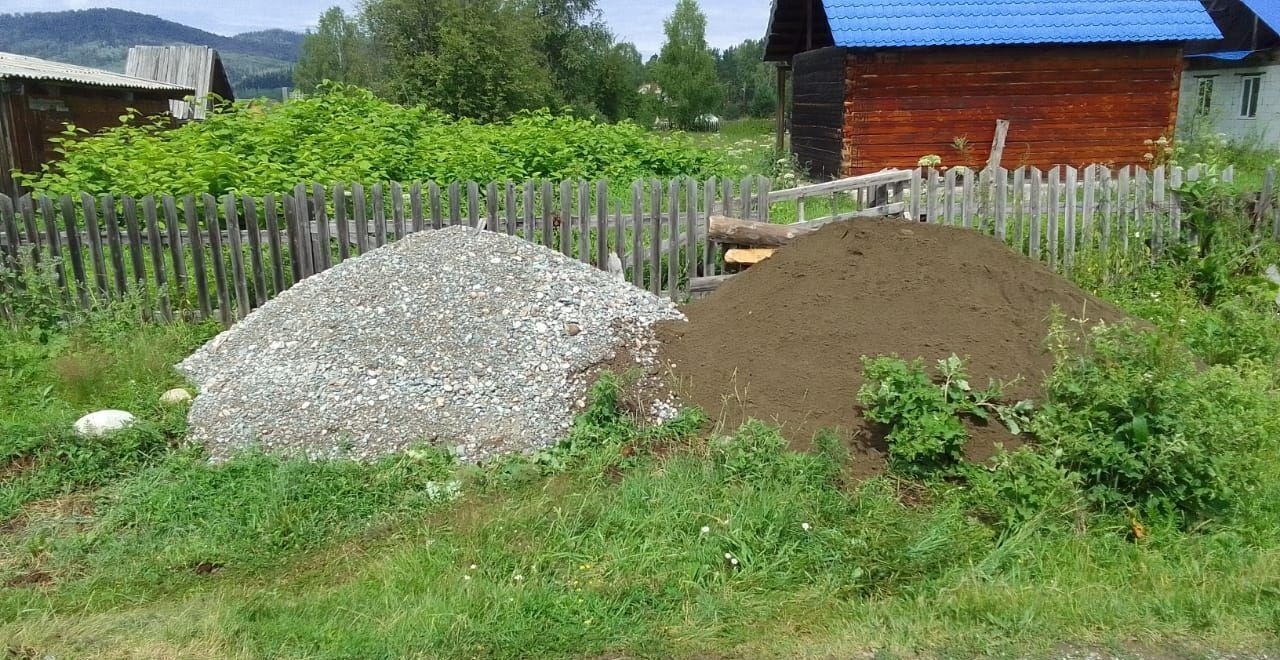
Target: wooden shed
[(195, 67), (37, 97), (881, 83)]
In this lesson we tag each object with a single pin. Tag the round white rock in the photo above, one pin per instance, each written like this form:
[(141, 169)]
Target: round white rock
[(98, 424), (174, 397)]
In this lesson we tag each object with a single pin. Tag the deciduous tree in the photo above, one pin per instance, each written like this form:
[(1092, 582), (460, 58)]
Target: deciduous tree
[(338, 50), (686, 69)]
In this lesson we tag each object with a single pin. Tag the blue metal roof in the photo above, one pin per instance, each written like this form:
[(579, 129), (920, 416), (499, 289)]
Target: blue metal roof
[(1266, 10), (1229, 55), (877, 23)]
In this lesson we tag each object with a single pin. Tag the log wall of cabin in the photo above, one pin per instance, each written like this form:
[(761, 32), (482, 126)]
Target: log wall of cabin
[(1067, 105), (33, 112), (817, 110)]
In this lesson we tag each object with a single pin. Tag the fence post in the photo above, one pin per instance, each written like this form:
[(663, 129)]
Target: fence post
[(637, 228), (1002, 195), (215, 257), (157, 257)]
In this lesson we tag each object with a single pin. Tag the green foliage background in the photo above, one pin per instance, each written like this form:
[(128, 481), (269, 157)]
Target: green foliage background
[(348, 134)]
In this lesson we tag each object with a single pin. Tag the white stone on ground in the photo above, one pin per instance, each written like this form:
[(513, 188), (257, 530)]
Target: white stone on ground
[(102, 422), (465, 339), (174, 397)]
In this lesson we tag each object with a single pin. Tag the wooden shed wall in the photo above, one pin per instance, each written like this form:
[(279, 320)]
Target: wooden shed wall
[(32, 112), (817, 110), (1067, 105)]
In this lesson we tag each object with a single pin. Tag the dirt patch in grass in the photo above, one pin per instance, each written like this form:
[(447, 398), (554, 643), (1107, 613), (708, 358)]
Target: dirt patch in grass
[(782, 341), (15, 467)]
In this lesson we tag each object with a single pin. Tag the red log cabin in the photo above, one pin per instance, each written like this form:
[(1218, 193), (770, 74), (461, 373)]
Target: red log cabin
[(881, 83)]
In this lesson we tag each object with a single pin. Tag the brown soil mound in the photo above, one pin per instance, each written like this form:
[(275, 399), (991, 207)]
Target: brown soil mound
[(782, 341)]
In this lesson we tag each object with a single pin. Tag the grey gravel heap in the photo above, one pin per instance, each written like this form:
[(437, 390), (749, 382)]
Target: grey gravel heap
[(455, 337)]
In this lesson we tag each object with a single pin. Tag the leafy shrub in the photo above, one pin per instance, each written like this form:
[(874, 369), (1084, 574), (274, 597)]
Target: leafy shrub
[(1025, 485), (1240, 324), (754, 452), (1132, 415), (347, 134), (923, 417)]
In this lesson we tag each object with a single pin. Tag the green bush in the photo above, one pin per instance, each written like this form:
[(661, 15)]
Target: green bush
[(1240, 325), (347, 134), (923, 417), (1143, 427)]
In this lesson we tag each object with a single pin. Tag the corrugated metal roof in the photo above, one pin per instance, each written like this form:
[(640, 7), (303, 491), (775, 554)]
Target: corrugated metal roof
[(1266, 10), (14, 66), (876, 23)]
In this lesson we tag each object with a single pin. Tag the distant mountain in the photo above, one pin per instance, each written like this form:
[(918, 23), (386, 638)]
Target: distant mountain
[(256, 62)]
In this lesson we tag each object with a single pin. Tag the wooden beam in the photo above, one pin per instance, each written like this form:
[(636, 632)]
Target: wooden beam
[(808, 24), (851, 183), (746, 256), (997, 144), (704, 285), (749, 233), (780, 138)]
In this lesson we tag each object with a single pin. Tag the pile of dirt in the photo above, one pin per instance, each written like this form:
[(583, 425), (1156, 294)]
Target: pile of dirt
[(782, 341)]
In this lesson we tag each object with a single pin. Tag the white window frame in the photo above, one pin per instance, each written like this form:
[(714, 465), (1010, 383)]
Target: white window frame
[(1204, 95), (1250, 91)]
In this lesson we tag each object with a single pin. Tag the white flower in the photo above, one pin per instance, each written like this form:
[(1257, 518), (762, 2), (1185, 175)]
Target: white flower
[(519, 578), (804, 526), (706, 530), (473, 567), (466, 577), (728, 555), (733, 561)]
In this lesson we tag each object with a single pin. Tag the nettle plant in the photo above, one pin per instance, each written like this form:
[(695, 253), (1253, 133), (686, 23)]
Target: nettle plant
[(923, 414)]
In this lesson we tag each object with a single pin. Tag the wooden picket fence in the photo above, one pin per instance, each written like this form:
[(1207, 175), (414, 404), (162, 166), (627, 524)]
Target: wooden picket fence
[(1056, 215), (205, 257)]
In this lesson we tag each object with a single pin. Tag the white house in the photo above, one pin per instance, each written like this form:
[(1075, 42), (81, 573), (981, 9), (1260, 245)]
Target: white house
[(1232, 85)]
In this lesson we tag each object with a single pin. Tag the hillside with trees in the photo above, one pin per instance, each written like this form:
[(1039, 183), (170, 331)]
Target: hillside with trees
[(100, 38)]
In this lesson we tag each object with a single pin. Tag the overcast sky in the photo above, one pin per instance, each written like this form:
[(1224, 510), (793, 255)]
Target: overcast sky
[(637, 21)]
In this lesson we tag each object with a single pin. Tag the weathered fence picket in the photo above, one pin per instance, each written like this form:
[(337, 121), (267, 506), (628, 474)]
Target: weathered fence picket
[(662, 244)]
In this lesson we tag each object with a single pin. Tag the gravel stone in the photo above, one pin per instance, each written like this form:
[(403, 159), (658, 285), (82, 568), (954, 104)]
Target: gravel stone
[(453, 337)]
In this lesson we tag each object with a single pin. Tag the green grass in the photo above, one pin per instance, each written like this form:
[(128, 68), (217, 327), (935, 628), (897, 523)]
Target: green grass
[(261, 558), (136, 546)]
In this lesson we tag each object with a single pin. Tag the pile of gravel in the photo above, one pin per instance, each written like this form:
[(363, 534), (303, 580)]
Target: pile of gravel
[(455, 337)]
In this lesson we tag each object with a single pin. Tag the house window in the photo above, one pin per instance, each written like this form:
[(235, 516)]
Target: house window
[(1204, 95), (1249, 96)]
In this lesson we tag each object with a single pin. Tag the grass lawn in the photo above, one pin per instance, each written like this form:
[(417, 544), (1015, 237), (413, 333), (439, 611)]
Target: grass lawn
[(621, 543), (675, 541)]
